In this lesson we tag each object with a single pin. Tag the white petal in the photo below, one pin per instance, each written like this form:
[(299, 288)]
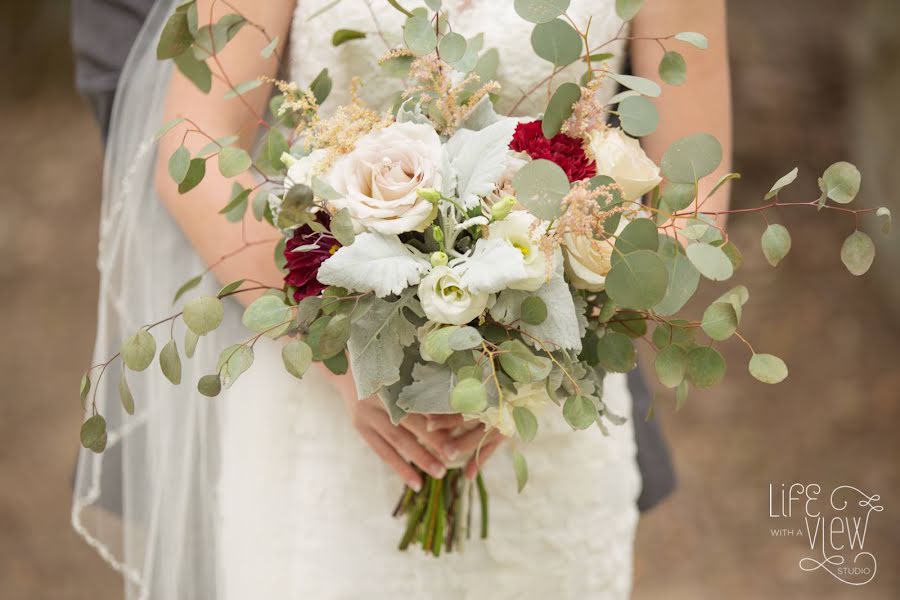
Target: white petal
[(374, 263), (493, 265)]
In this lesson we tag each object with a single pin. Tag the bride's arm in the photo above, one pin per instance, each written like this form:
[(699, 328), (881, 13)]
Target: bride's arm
[(213, 237), (703, 103)]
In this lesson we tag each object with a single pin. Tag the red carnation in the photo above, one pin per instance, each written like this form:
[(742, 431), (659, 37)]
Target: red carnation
[(564, 150), (303, 267)]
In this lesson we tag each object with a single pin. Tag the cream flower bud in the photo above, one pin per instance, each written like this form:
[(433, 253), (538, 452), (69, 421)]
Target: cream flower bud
[(501, 209), (439, 259)]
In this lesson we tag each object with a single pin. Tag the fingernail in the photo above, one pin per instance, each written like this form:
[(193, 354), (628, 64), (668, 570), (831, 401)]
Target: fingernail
[(438, 470), (451, 451), (416, 486)]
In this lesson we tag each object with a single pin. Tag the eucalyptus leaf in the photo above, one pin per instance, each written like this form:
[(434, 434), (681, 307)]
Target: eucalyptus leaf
[(234, 361), (722, 181), (464, 338), (698, 40), (297, 357), (321, 86), (841, 182), (640, 234), (170, 362), (534, 310), (179, 163), (673, 68), (639, 280), (452, 47), (711, 261), (858, 252), (342, 227), (557, 41), (230, 288), (196, 71), (782, 183), (670, 365), (684, 278), (691, 157), (884, 213), (187, 286), (705, 366), (195, 173), (520, 467), (203, 314), (125, 395), (638, 116), (419, 35), (560, 108), (526, 423), (267, 314), (469, 396), (138, 350), (540, 11), (93, 433), (641, 85), (720, 321), (190, 343), (233, 161), (342, 36), (776, 243), (270, 48), (210, 385), (84, 389), (615, 352), (175, 38), (540, 186), (579, 412), (768, 368), (628, 9), (678, 196)]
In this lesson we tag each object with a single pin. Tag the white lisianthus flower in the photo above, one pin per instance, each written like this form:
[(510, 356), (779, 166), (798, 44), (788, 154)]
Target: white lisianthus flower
[(523, 230), (587, 261), (379, 178), (304, 169), (622, 158), (532, 396), (445, 300)]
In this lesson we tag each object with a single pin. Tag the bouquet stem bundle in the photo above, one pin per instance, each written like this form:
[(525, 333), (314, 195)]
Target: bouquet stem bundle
[(439, 516)]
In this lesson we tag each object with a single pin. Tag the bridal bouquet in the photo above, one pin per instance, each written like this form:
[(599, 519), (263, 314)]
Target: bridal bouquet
[(465, 262)]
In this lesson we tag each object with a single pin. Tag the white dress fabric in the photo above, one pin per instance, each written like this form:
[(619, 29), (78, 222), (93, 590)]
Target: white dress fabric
[(305, 509)]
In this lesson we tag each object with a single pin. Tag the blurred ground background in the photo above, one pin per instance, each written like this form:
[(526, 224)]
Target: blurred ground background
[(815, 81)]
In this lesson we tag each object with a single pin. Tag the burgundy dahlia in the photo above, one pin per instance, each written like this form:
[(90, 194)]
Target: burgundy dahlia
[(564, 150), (303, 267)]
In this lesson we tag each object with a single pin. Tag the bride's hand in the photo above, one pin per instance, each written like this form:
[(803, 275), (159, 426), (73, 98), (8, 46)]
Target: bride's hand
[(396, 445), (476, 440)]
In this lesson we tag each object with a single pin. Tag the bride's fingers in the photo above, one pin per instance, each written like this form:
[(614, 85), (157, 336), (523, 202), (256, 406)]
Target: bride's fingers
[(434, 440), (489, 447), (392, 459), (409, 447), (436, 422), (466, 442)]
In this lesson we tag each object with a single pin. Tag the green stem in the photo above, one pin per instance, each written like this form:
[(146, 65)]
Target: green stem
[(483, 498), (412, 525)]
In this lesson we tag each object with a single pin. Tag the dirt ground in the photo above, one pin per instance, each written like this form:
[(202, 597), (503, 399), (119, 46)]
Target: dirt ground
[(832, 422)]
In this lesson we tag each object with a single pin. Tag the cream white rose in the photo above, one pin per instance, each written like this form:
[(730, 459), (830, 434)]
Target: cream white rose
[(587, 261), (622, 158), (445, 300), (523, 230), (379, 178), (304, 169)]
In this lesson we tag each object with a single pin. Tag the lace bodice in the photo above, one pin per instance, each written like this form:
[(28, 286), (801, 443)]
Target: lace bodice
[(520, 69)]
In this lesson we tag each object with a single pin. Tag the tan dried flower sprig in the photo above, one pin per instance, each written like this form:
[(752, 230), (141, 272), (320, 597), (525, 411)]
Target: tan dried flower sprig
[(446, 101), (588, 113)]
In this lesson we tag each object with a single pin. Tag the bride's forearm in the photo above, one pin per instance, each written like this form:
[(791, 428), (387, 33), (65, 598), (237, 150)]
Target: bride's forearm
[(703, 102), (233, 251)]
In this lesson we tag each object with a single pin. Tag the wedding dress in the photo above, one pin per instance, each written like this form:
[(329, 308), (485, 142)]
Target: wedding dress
[(267, 491), (305, 502)]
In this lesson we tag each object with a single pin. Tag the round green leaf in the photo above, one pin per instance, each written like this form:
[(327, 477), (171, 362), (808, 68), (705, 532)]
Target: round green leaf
[(679, 196), (692, 157), (670, 364), (638, 116), (520, 467), (267, 313), (179, 163), (125, 395), (711, 261), (540, 187), (579, 412), (840, 182), (884, 214), (521, 364), (195, 174), (468, 396), (560, 108), (464, 338), (526, 423), (540, 11), (776, 243), (638, 280), (436, 345), (138, 350), (233, 361), (334, 337), (210, 385), (628, 9), (296, 356), (337, 364), (452, 47), (768, 368), (705, 366), (557, 42), (640, 234), (342, 227), (676, 331), (720, 321), (672, 68), (233, 161), (615, 352), (684, 279), (418, 33), (698, 40), (93, 433), (534, 310), (84, 388), (858, 252), (170, 362), (203, 314)]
